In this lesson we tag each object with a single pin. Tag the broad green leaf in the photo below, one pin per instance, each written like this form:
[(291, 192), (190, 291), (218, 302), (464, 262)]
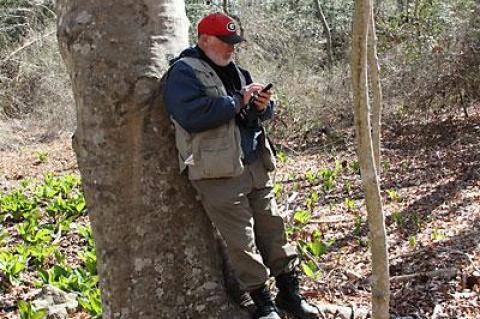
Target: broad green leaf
[(39, 314), (302, 216), (80, 206), (317, 248), (307, 270)]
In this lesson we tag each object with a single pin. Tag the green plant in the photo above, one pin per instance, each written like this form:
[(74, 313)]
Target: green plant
[(53, 186), (386, 166), (92, 303), (68, 278), (347, 187), (416, 219), (338, 167), (77, 279), (311, 176), (398, 219), (282, 157), (412, 241), (317, 247), (27, 311), (438, 234), (314, 249), (12, 265), (277, 190), (354, 166), (59, 257), (3, 235), (15, 205), (86, 233), (328, 178), (302, 217), (89, 258), (30, 231), (311, 270), (312, 200), (42, 156), (393, 195), (357, 230), (350, 204), (36, 254)]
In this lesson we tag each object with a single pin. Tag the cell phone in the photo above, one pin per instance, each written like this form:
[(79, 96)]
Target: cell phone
[(254, 97), (267, 87)]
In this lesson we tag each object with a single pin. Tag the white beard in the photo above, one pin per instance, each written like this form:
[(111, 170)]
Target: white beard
[(220, 60)]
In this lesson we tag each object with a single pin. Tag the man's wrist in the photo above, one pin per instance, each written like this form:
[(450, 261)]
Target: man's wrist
[(238, 100), (262, 111)]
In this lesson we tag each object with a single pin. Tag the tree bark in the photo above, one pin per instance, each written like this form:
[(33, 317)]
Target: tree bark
[(377, 96), (380, 282), (154, 244), (320, 15), (225, 6)]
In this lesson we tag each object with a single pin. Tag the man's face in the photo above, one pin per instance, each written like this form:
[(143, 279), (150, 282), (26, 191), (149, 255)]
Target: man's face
[(221, 53)]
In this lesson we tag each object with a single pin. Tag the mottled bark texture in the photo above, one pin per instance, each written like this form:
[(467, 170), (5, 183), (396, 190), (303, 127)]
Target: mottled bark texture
[(155, 247), (376, 222)]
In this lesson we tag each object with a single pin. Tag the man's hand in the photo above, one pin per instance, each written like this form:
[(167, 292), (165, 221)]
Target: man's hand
[(261, 98)]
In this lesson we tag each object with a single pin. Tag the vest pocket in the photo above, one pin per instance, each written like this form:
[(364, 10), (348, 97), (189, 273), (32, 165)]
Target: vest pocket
[(268, 153), (217, 158)]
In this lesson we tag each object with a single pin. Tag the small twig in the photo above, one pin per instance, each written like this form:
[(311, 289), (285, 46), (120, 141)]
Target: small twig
[(26, 45), (468, 258), (329, 274), (311, 258), (320, 311)]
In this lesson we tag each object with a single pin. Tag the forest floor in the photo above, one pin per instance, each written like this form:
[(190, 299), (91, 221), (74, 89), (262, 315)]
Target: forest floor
[(430, 184)]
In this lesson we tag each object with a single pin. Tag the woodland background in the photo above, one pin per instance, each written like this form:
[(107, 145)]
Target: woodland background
[(430, 64)]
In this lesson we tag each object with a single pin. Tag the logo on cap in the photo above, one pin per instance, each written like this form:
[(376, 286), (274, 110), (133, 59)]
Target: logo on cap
[(231, 26)]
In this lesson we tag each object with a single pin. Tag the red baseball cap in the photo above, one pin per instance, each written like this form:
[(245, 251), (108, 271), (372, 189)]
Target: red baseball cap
[(221, 26)]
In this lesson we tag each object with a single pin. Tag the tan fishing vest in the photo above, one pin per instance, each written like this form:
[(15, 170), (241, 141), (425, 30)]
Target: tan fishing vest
[(214, 153)]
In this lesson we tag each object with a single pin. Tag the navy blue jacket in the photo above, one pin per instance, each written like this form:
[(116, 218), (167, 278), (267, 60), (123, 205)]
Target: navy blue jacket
[(186, 100)]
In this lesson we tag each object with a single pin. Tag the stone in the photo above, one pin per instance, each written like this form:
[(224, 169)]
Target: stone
[(56, 301)]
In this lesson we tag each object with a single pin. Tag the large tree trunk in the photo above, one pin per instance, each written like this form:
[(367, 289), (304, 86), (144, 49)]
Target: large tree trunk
[(378, 243), (155, 247)]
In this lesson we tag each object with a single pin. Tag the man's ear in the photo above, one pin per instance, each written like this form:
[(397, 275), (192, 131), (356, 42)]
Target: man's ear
[(203, 39)]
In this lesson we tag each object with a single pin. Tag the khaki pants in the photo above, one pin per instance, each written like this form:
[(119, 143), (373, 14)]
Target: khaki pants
[(244, 211)]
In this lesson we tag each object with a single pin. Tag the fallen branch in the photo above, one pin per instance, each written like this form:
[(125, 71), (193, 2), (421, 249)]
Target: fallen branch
[(445, 273), (331, 219)]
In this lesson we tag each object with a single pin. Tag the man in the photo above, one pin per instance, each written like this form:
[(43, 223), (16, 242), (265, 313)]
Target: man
[(222, 145)]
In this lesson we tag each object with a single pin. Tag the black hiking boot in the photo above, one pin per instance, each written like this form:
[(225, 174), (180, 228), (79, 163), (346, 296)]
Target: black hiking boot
[(246, 302), (289, 299), (263, 301)]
